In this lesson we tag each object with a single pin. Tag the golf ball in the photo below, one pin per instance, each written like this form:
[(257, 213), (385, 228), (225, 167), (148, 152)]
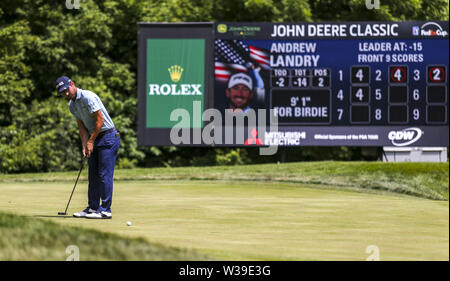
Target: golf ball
[(129, 223)]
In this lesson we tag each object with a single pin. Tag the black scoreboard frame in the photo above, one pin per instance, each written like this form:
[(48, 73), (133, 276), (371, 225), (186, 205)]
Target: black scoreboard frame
[(357, 133)]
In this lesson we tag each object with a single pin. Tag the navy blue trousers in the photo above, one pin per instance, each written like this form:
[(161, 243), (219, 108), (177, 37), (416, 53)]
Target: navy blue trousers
[(101, 171)]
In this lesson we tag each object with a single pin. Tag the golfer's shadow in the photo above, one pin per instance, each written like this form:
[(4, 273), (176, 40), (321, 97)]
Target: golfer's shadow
[(59, 216)]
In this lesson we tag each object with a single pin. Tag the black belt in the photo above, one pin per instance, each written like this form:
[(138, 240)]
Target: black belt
[(105, 132)]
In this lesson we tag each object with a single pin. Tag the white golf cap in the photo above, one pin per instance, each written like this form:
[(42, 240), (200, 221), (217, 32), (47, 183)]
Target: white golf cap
[(240, 78)]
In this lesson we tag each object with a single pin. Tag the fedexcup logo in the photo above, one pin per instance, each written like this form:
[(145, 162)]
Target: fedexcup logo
[(432, 29), (175, 72), (405, 137)]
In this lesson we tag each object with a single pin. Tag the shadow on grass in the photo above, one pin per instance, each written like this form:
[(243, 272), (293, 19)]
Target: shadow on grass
[(56, 216)]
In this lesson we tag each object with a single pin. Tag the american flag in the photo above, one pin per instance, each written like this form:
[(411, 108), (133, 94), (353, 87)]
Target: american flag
[(259, 56), (232, 56)]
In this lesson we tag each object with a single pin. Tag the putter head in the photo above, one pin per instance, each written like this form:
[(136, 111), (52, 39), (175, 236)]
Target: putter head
[(62, 213)]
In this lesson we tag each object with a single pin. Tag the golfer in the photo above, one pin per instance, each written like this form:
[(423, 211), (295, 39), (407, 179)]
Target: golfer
[(240, 92), (100, 142)]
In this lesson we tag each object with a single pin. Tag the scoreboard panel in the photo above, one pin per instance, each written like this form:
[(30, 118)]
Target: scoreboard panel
[(294, 84), (382, 92), (364, 83)]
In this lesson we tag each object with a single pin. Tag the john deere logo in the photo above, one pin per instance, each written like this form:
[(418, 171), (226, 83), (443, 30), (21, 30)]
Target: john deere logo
[(175, 72), (222, 28)]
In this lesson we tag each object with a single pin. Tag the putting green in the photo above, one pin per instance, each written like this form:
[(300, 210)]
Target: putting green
[(253, 221)]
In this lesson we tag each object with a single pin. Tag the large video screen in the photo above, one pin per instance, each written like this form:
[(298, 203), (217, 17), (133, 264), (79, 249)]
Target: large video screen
[(314, 84)]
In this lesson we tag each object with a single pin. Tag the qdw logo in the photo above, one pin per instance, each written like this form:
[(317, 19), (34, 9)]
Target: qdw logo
[(405, 137)]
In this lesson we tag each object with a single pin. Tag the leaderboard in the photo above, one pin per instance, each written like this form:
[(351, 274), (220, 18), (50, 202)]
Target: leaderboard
[(346, 83), (393, 95), (299, 83), (301, 96)]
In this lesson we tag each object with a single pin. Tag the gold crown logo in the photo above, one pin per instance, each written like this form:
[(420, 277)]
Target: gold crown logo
[(175, 72)]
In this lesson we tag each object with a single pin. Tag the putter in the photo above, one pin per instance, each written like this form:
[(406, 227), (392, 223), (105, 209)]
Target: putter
[(65, 212)]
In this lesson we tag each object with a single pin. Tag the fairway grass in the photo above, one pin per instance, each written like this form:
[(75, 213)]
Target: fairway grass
[(247, 220)]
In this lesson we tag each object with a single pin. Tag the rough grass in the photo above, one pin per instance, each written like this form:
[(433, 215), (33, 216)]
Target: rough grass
[(24, 238), (425, 180)]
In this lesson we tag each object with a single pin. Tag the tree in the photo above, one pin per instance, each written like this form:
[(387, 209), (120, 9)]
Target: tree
[(96, 46)]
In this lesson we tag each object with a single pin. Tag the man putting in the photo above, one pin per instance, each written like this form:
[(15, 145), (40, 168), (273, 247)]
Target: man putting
[(100, 142)]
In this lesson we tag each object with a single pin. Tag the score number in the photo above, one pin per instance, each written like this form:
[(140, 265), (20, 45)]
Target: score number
[(360, 75), (321, 77), (280, 78), (398, 74), (300, 78), (436, 74)]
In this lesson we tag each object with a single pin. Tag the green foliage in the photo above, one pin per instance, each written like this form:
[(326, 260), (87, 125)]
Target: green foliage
[(96, 46), (232, 157), (176, 10), (46, 140), (40, 41), (15, 82), (390, 10), (261, 10)]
